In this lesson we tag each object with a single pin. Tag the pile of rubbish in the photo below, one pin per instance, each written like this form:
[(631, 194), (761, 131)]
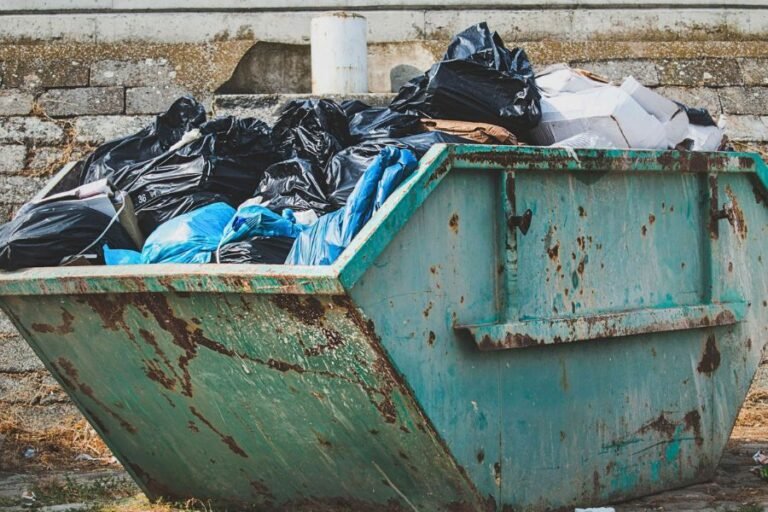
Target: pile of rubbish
[(186, 189)]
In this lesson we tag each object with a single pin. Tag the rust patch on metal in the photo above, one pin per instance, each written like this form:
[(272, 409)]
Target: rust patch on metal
[(226, 439), (453, 223), (73, 379), (64, 328), (662, 425), (710, 359), (438, 173), (428, 309), (431, 338), (643, 230), (335, 340), (154, 488), (651, 218), (323, 441), (553, 252), (582, 212), (693, 422), (262, 490), (480, 456), (737, 221), (192, 426), (308, 310)]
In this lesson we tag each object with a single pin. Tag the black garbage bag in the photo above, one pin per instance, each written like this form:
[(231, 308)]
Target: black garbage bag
[(699, 116), (480, 80), (312, 130), (352, 107), (346, 167), (297, 184), (116, 158), (259, 249), (42, 235), (238, 152), (226, 163), (375, 123)]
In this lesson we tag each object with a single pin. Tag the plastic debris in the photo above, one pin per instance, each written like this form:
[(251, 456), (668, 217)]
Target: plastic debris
[(189, 238), (50, 233), (312, 130), (327, 238)]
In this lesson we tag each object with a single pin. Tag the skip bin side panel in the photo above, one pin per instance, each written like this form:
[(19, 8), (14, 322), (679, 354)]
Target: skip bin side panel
[(615, 418), (439, 271), (279, 401), (595, 421)]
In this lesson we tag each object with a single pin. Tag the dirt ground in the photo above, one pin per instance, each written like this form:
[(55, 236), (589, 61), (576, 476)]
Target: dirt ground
[(71, 469)]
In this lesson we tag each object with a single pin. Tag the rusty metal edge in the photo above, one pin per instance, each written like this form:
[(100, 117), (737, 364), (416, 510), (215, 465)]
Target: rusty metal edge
[(255, 279), (442, 158)]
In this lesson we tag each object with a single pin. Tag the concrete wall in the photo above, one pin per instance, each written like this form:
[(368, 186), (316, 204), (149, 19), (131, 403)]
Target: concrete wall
[(74, 74)]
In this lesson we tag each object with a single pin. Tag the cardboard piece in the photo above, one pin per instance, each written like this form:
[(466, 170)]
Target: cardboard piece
[(577, 109), (674, 118), (604, 110), (560, 78)]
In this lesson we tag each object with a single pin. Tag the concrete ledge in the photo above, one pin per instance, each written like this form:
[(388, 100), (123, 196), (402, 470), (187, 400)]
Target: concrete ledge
[(694, 22), (221, 5)]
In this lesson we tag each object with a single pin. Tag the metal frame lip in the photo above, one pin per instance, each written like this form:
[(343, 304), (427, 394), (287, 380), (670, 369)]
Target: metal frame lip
[(442, 158), (375, 235), (198, 278)]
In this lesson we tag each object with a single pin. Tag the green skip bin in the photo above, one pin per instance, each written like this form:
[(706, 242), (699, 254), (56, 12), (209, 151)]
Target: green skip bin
[(517, 328)]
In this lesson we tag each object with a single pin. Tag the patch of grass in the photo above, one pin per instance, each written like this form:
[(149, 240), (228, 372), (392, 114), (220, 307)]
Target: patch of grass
[(751, 507), (55, 447), (54, 491)]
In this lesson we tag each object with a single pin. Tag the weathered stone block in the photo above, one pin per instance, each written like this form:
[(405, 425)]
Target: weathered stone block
[(644, 71), (152, 100), (754, 71), (271, 68), (99, 129), (744, 100), (15, 102), (132, 73), (85, 101), (16, 356), (37, 73), (32, 130), (692, 73), (18, 189), (696, 97), (747, 128), (44, 157), (12, 158)]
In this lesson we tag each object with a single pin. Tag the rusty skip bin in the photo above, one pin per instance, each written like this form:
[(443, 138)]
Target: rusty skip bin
[(517, 328)]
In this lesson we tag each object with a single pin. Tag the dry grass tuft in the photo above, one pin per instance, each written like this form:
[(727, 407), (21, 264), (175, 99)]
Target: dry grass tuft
[(55, 447)]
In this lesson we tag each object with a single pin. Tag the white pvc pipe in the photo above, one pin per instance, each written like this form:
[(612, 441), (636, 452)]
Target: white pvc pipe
[(339, 53)]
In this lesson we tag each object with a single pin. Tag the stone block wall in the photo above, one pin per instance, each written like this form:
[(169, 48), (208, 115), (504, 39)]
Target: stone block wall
[(59, 100)]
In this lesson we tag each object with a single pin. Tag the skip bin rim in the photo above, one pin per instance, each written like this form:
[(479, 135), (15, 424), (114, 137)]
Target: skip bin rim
[(376, 234)]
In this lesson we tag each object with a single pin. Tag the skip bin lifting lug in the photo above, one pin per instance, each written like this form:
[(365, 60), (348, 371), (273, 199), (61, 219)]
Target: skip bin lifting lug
[(522, 222), (717, 213)]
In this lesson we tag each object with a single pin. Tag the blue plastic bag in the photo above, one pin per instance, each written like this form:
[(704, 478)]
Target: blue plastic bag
[(333, 232), (188, 238), (253, 220)]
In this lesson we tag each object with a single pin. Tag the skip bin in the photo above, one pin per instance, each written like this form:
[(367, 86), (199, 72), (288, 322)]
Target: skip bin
[(517, 328)]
